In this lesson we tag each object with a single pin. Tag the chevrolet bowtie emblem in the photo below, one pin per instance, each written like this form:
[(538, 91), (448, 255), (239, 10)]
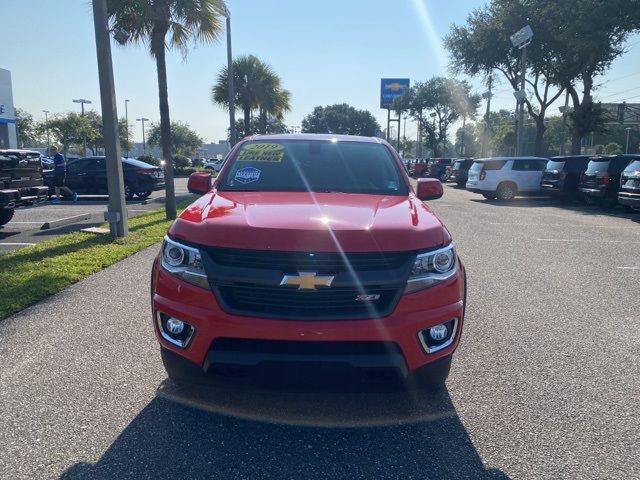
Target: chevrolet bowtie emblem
[(307, 280)]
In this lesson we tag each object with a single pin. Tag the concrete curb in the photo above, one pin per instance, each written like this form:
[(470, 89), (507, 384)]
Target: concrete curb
[(65, 221)]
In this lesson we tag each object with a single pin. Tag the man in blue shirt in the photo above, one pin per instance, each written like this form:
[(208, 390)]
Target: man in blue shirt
[(59, 173)]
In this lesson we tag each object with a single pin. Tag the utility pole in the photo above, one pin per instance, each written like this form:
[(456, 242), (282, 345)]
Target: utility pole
[(564, 110), (464, 122), (126, 117), (626, 150), (520, 40), (46, 122), (232, 108), (116, 213), (485, 133), (143, 119), (82, 101)]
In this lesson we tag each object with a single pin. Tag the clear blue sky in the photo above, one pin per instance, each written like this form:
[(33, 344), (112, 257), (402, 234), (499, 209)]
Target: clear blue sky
[(325, 52)]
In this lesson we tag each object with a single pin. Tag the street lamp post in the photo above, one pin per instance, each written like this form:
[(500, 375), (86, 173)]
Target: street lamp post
[(232, 107), (485, 131), (126, 118), (520, 40), (435, 143), (116, 214), (565, 111), (82, 101), (46, 123), (626, 150), (143, 119)]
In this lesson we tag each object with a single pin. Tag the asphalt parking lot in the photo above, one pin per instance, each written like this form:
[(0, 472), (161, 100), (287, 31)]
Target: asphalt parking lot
[(39, 222), (544, 385)]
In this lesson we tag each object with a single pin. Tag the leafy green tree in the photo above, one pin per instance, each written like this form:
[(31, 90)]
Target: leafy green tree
[(150, 159), (483, 45), (256, 87), (95, 142), (28, 133), (612, 149), (340, 119), (181, 161), (184, 140), (165, 24), (467, 142), (273, 126), (70, 130)]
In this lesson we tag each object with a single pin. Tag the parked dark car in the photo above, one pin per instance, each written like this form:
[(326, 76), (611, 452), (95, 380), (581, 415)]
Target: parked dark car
[(460, 171), (601, 181), (20, 181), (438, 168), (88, 176), (562, 175), (629, 194)]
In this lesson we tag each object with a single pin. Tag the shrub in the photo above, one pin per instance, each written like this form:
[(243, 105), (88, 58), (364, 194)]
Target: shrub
[(149, 159), (180, 161)]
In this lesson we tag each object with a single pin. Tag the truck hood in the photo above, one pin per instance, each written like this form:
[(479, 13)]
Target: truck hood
[(302, 221)]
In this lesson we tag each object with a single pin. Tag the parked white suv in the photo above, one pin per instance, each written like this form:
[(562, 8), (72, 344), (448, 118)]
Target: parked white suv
[(215, 165), (505, 177)]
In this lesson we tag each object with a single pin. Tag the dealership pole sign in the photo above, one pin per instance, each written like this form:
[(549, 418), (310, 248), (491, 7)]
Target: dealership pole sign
[(391, 88)]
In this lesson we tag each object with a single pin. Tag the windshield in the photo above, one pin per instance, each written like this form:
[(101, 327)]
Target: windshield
[(600, 165), (553, 165), (633, 166), (314, 165)]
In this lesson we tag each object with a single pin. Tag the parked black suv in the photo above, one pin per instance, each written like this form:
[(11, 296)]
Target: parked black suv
[(460, 171), (562, 176), (601, 181), (88, 176), (20, 181), (629, 193)]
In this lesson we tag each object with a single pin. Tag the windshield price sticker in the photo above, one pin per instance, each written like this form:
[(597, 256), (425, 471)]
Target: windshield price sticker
[(247, 175), (261, 152)]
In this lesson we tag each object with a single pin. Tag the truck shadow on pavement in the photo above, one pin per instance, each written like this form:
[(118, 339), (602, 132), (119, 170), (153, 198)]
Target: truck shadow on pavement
[(231, 433)]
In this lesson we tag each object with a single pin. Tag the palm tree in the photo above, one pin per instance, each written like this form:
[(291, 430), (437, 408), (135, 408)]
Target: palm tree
[(257, 86), (149, 22)]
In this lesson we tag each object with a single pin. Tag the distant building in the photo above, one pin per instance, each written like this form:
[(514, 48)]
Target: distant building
[(207, 150), (8, 137)]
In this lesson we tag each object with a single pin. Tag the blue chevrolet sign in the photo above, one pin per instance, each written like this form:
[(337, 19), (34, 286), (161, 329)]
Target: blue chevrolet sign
[(391, 88)]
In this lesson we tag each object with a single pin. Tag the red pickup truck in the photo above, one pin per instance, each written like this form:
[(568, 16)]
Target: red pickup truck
[(307, 251)]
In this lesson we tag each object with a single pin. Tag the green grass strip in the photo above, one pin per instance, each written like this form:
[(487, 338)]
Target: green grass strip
[(32, 273)]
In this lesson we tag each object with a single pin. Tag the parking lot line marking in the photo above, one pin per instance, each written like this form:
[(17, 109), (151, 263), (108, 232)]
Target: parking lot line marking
[(587, 240), (3, 244), (36, 223), (577, 225), (628, 268)]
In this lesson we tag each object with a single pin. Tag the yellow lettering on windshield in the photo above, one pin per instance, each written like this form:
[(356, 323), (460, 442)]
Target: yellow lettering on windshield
[(261, 152)]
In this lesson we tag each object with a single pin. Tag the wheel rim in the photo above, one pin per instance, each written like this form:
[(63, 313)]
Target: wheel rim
[(127, 191), (506, 193)]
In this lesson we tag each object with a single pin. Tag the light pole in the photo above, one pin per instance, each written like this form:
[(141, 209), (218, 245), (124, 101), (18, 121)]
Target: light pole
[(232, 106), (46, 123), (520, 40), (82, 101), (143, 119), (116, 213), (565, 111), (485, 132), (435, 143), (628, 129), (126, 118)]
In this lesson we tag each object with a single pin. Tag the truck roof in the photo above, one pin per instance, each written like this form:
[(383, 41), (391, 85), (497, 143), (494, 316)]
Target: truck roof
[(315, 136)]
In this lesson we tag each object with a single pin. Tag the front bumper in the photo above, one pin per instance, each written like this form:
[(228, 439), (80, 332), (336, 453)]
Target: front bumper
[(593, 192), (630, 199), (413, 313)]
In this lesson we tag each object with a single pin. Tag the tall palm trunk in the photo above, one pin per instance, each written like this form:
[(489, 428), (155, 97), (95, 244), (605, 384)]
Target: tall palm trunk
[(158, 49), (247, 121), (263, 120)]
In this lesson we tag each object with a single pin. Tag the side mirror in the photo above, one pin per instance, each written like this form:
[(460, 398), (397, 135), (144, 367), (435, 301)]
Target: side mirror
[(199, 182), (429, 189)]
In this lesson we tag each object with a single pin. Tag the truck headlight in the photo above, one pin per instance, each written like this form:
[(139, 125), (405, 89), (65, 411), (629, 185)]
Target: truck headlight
[(184, 262), (432, 267)]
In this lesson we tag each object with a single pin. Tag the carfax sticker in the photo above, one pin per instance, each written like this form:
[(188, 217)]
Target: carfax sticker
[(247, 175), (261, 152)]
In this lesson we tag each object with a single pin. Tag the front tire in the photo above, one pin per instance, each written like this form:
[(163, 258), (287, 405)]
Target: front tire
[(506, 192), (144, 195), (489, 196), (6, 214)]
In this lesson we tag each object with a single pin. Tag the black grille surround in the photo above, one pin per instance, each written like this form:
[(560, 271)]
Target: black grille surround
[(247, 282)]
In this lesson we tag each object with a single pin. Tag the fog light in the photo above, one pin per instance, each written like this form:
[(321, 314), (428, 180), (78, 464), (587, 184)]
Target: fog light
[(438, 333), (176, 327)]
